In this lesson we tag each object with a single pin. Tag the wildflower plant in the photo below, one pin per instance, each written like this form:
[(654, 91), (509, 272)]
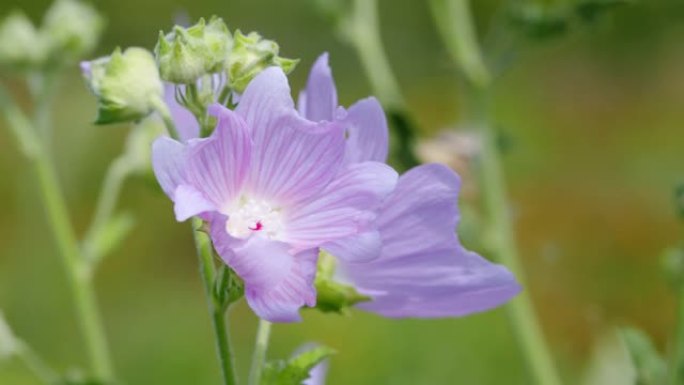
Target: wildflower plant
[(293, 205)]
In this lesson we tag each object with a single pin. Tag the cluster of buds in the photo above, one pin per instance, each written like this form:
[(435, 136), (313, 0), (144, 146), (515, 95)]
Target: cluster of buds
[(70, 30), (205, 62), (187, 55)]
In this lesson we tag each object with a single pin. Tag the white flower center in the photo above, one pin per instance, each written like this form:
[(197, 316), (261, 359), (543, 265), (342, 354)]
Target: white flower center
[(250, 216)]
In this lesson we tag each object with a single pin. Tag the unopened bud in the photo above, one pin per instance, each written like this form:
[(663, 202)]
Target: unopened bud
[(252, 54), (21, 44), (73, 29), (187, 54), (127, 85)]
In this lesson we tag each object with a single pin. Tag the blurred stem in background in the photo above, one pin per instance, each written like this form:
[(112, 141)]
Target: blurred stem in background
[(28, 135), (361, 29), (259, 357), (454, 22)]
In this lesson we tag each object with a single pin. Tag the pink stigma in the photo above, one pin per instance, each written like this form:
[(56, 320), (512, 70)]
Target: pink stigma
[(258, 226)]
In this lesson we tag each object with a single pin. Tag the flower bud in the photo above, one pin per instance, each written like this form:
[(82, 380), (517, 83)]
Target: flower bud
[(127, 85), (21, 44), (250, 55), (187, 54), (73, 29)]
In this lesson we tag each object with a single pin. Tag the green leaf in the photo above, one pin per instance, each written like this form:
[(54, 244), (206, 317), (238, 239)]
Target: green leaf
[(650, 366), (332, 296), (296, 370)]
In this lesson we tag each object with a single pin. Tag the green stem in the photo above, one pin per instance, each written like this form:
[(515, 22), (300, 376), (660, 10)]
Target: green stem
[(109, 195), (80, 282), (362, 30), (260, 348), (676, 366), (163, 110), (55, 206), (454, 20), (216, 310)]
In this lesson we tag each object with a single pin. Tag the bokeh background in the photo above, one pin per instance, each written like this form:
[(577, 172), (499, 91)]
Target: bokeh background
[(594, 126)]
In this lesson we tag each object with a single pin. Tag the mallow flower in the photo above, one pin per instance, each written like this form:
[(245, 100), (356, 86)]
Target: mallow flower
[(273, 188), (422, 270)]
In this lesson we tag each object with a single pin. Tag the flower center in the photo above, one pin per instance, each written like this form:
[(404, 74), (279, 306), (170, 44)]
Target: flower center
[(251, 216)]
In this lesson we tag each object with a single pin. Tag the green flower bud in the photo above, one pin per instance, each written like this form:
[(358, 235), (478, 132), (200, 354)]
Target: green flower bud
[(21, 44), (187, 54), (127, 85), (252, 54), (73, 29)]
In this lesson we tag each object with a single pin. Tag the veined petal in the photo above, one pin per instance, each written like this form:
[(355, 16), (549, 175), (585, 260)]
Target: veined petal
[(217, 166), (294, 159), (265, 100), (190, 202), (319, 100), (344, 208), (367, 132), (277, 282), (361, 247), (168, 163), (423, 271)]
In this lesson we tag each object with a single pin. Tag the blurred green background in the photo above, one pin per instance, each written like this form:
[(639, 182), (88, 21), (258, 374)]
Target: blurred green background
[(594, 122)]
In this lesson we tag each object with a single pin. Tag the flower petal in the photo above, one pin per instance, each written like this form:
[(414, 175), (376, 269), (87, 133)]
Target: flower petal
[(344, 208), (190, 202), (168, 163), (266, 99), (277, 282), (319, 100), (361, 247), (367, 132), (217, 166), (293, 159), (423, 271)]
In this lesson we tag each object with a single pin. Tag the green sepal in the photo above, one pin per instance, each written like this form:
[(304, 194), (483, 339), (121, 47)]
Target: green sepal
[(295, 370), (650, 367), (250, 55), (332, 296), (679, 200), (186, 54)]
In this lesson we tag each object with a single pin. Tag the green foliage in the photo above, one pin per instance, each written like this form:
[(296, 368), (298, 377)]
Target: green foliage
[(295, 370), (650, 366), (541, 20), (332, 296)]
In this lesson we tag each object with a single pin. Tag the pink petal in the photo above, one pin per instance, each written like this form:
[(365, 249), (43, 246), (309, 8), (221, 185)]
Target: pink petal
[(319, 100), (293, 159), (344, 208), (217, 166), (367, 132), (277, 282)]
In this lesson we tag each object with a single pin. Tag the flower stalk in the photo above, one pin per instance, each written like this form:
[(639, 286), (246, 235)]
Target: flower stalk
[(260, 348), (217, 310), (75, 265), (454, 22)]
